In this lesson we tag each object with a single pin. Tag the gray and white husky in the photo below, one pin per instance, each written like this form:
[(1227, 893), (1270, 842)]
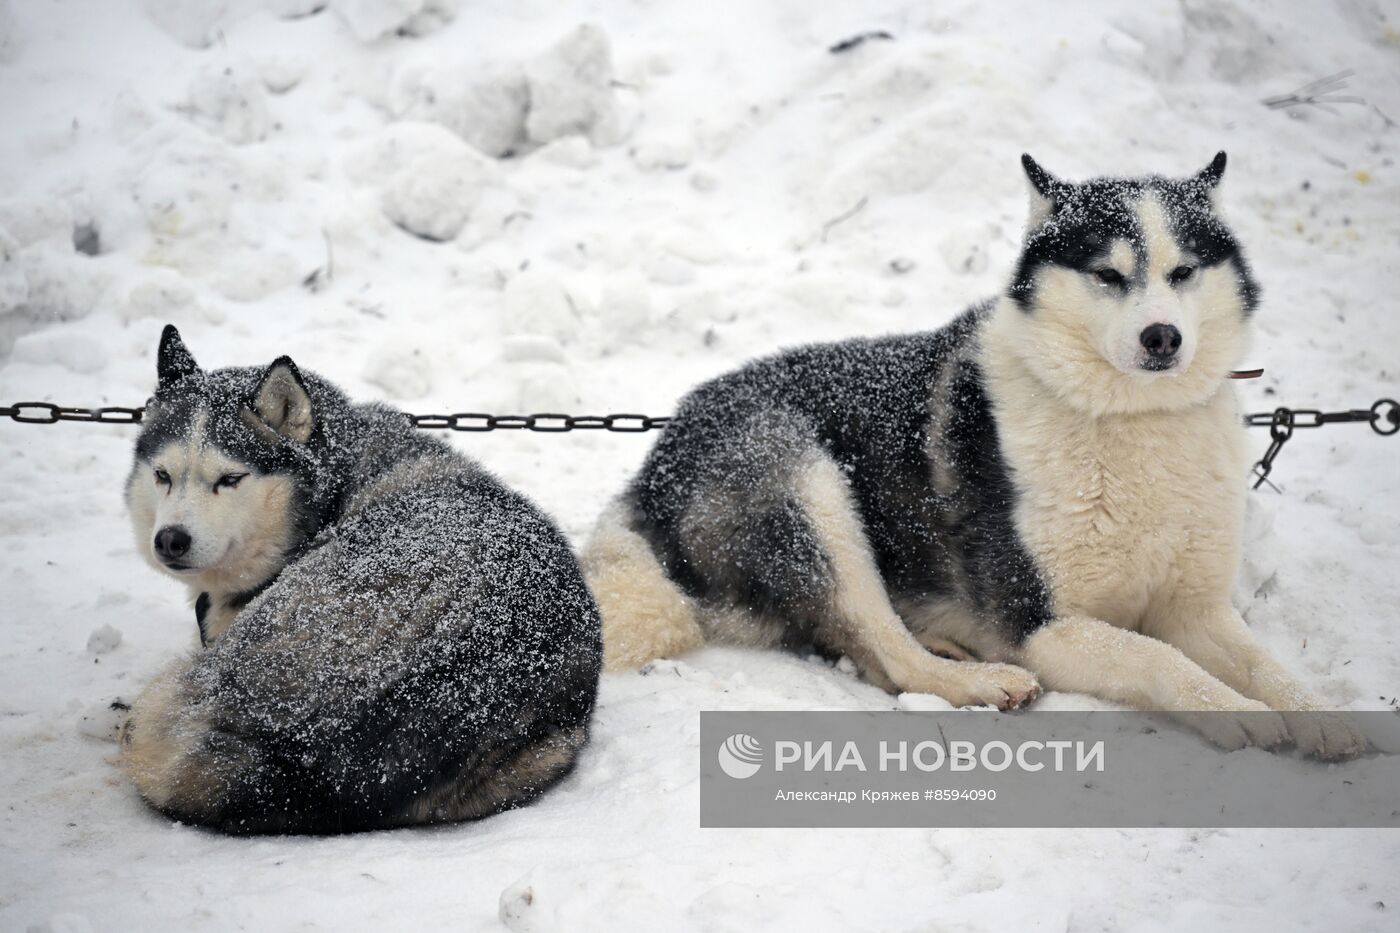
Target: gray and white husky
[(391, 635), (1052, 484)]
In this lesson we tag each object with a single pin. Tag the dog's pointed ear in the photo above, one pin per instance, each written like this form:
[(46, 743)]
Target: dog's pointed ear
[(1046, 189), (282, 403), (1210, 176), (173, 360)]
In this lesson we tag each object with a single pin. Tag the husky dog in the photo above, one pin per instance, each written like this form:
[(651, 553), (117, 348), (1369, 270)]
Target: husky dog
[(1052, 484), (391, 635)]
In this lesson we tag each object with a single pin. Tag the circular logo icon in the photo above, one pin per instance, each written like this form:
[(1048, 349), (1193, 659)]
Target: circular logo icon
[(740, 756)]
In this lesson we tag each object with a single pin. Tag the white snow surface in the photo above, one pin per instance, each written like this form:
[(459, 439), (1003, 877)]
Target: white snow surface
[(253, 170)]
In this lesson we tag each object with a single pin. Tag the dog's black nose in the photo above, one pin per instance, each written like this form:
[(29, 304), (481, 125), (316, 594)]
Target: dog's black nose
[(1161, 340), (172, 542)]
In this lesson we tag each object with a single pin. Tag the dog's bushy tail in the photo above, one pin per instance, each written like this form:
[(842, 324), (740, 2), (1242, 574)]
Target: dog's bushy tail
[(188, 760), (645, 615), (192, 770)]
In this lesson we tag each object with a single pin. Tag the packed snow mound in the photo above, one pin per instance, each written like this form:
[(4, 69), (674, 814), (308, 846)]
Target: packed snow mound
[(279, 74), (484, 106), (159, 298), (196, 23), (63, 285), (28, 219), (73, 353), (24, 306), (200, 24), (104, 639), (231, 101), (373, 19), (506, 108), (547, 387), (571, 90), (101, 720), (434, 180), (538, 305), (402, 370), (292, 9)]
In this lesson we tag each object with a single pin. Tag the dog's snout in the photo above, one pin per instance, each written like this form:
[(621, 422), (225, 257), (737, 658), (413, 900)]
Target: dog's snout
[(1160, 340), (172, 542)]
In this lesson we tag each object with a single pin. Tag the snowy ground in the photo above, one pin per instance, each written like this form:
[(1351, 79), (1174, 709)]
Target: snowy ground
[(667, 213)]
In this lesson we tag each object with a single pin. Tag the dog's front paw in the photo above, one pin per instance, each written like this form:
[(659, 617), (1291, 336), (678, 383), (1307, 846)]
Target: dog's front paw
[(1004, 686), (1253, 724), (1326, 735)]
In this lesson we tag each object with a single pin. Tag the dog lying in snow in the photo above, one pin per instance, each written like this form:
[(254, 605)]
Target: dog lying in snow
[(1052, 484), (391, 635)]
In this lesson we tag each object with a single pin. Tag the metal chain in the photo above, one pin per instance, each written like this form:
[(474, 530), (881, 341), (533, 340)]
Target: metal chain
[(48, 413), (549, 423), (1383, 417)]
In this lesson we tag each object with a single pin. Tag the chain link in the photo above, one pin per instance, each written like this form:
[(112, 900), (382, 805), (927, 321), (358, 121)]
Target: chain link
[(546, 422)]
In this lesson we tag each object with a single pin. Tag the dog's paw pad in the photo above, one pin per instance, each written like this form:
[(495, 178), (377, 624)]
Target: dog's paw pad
[(1255, 725), (1004, 686), (1328, 736)]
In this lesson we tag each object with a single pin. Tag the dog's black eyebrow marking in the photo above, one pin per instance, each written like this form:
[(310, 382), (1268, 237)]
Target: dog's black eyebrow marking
[(1087, 219)]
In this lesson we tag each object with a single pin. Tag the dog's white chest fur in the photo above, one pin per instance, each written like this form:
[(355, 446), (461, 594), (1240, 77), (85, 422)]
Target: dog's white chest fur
[(1124, 514)]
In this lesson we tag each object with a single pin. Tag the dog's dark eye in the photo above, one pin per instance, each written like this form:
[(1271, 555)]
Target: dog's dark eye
[(162, 477), (1111, 277), (1181, 274), (229, 481)]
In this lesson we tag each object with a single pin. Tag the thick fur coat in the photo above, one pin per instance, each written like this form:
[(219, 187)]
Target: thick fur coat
[(392, 636), (1047, 491)]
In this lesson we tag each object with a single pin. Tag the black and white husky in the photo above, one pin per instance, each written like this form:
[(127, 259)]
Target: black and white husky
[(1052, 484), (391, 635)]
